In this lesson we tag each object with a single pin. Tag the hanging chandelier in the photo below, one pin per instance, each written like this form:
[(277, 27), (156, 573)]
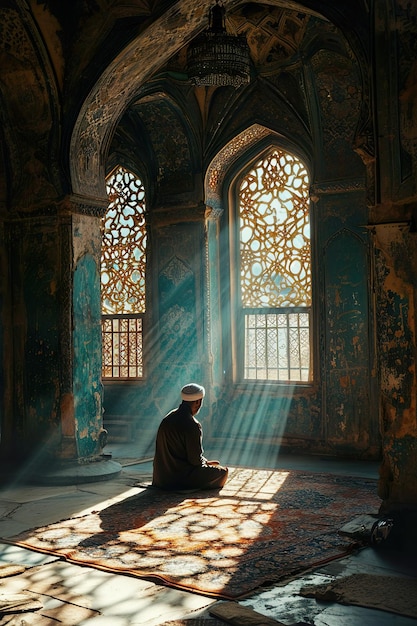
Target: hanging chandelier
[(215, 58)]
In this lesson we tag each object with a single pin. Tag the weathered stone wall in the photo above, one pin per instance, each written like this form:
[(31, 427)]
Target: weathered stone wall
[(395, 265), (86, 333), (342, 95)]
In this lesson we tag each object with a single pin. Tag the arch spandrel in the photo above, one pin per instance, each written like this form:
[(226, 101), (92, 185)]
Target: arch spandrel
[(117, 86), (253, 139), (231, 152)]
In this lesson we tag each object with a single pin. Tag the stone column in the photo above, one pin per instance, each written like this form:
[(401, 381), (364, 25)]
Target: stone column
[(54, 420), (393, 224), (215, 266), (396, 268)]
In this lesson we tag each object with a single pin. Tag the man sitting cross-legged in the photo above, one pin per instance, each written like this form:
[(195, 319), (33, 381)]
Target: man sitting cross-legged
[(179, 463)]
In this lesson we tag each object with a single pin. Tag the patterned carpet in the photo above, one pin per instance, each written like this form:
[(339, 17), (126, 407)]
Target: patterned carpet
[(213, 621), (262, 527)]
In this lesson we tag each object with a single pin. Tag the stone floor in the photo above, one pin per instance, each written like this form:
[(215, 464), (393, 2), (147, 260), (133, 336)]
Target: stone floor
[(74, 595)]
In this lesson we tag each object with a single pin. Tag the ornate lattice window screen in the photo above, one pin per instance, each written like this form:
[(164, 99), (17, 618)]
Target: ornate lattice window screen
[(123, 256), (123, 269), (275, 268)]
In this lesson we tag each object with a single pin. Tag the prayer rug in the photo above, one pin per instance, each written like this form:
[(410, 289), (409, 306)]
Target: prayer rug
[(394, 594), (262, 527)]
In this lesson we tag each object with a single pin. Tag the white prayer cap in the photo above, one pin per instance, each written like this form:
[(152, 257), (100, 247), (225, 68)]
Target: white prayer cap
[(192, 392)]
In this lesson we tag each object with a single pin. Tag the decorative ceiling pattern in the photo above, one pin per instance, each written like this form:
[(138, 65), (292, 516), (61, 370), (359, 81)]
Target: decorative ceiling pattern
[(274, 34), (277, 40)]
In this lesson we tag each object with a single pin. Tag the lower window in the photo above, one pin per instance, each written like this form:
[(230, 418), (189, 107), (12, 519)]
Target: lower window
[(122, 346), (277, 346)]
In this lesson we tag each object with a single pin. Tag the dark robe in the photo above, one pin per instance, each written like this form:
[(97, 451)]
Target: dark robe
[(179, 461)]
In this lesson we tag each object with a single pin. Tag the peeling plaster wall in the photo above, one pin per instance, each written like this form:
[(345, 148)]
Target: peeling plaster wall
[(396, 250), (34, 354), (87, 387), (87, 355), (269, 417), (347, 349)]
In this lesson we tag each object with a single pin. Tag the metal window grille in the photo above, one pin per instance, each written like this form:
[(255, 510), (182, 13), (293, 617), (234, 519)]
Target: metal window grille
[(122, 346), (277, 346)]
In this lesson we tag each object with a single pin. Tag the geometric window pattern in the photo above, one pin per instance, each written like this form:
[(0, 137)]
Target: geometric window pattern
[(275, 265), (275, 269), (123, 253), (123, 269)]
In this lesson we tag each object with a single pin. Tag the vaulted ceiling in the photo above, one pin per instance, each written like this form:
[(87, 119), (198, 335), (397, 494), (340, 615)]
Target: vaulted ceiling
[(299, 61)]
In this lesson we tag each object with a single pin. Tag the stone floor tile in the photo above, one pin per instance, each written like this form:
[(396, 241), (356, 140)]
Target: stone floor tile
[(15, 554), (34, 514), (27, 619), (340, 615), (64, 613), (86, 586), (7, 508), (133, 599), (30, 493)]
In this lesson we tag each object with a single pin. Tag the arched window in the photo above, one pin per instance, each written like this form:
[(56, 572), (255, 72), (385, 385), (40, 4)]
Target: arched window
[(123, 269), (274, 275)]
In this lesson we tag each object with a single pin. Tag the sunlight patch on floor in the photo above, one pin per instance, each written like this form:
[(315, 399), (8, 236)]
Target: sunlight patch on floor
[(259, 485)]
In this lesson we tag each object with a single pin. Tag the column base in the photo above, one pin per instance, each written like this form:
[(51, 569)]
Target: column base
[(73, 473)]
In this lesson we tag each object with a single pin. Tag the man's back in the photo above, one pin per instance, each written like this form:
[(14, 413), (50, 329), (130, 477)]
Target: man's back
[(178, 448)]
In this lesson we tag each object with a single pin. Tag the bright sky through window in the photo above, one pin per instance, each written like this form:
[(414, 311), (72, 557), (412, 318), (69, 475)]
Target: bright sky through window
[(123, 259), (275, 266)]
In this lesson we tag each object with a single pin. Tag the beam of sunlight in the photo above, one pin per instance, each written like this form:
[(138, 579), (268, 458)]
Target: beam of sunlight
[(252, 428)]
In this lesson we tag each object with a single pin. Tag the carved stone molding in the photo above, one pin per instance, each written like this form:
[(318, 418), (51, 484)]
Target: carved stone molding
[(213, 214), (175, 215), (336, 187), (85, 206), (228, 155), (67, 205)]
